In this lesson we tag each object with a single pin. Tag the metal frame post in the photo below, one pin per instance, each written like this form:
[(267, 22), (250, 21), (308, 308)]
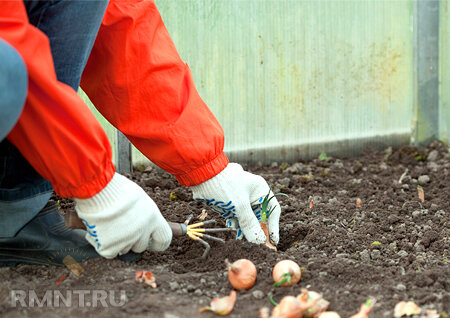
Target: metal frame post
[(124, 162), (426, 47)]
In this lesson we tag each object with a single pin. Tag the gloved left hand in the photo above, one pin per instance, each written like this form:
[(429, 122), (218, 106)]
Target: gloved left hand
[(237, 196)]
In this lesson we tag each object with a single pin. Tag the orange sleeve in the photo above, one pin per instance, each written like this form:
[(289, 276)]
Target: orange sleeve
[(56, 133), (137, 80)]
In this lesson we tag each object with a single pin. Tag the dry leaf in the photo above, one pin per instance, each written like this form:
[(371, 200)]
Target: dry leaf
[(221, 306), (146, 277), (62, 278), (73, 265), (358, 202), (421, 193), (203, 215), (403, 176), (406, 308)]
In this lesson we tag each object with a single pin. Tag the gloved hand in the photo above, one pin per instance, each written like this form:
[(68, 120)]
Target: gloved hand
[(237, 196), (122, 217)]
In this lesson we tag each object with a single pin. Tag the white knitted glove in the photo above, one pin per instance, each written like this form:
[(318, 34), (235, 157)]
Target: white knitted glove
[(237, 196), (122, 217)]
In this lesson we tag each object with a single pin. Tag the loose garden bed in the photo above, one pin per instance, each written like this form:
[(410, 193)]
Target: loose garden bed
[(393, 247)]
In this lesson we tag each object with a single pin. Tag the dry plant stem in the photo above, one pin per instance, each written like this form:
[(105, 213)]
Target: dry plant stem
[(265, 228), (403, 176)]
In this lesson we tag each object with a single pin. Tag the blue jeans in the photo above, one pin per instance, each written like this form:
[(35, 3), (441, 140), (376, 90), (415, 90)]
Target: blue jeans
[(71, 27)]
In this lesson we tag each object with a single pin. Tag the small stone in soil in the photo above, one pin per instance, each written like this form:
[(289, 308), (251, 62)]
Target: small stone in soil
[(433, 155), (174, 285), (365, 257), (375, 254), (424, 179), (258, 294), (400, 287)]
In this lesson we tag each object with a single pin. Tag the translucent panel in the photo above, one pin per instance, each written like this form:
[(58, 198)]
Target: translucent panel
[(288, 79), (444, 73)]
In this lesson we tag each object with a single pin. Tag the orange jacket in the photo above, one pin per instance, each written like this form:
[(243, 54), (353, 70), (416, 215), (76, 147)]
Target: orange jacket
[(136, 79)]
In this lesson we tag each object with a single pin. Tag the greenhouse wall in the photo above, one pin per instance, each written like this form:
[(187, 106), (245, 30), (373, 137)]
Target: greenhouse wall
[(444, 72), (291, 79)]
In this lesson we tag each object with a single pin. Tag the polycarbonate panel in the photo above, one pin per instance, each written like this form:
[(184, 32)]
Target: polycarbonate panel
[(444, 73), (289, 79)]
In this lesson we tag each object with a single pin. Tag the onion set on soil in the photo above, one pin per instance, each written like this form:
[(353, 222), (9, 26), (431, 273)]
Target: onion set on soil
[(222, 306), (241, 273), (286, 273), (265, 214)]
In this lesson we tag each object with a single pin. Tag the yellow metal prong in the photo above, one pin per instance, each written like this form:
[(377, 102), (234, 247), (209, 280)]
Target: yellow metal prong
[(192, 226), (197, 230), (195, 238)]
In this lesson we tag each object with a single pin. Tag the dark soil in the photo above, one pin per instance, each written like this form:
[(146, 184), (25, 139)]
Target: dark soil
[(392, 248)]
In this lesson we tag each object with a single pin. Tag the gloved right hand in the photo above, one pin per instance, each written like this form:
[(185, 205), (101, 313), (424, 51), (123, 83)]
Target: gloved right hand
[(122, 217)]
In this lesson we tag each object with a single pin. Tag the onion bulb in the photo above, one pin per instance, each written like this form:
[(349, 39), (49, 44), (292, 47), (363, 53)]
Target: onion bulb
[(319, 304), (222, 306), (329, 314), (365, 309), (289, 307), (286, 273), (265, 228), (241, 274)]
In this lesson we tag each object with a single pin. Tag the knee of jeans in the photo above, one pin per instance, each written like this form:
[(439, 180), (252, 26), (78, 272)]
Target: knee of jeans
[(13, 86)]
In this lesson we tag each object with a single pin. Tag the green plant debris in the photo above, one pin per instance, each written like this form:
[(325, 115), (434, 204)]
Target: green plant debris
[(307, 177), (140, 167), (323, 157), (273, 302), (376, 243), (420, 157), (284, 165), (324, 172), (286, 279), (173, 196), (265, 214), (445, 260)]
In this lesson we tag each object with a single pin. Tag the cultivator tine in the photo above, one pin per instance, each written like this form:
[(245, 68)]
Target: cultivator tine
[(198, 233), (225, 229), (212, 238), (195, 225), (189, 218), (206, 244)]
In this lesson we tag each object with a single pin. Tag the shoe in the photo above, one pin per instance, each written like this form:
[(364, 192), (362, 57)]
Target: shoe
[(45, 240)]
